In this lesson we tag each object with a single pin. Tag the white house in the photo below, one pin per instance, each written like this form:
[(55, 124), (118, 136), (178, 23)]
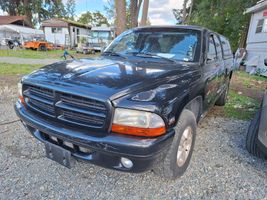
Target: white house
[(64, 32), (17, 27), (257, 37)]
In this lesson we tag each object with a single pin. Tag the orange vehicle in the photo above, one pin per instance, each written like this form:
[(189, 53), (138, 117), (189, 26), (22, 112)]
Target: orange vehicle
[(38, 45)]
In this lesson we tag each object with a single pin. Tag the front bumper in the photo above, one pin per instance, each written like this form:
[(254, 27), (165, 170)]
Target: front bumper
[(104, 151)]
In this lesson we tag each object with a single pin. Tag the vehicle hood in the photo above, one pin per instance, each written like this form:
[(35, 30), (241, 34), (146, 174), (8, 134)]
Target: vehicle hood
[(105, 78)]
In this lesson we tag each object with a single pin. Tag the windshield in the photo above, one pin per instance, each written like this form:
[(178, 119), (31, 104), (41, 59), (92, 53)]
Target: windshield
[(181, 44)]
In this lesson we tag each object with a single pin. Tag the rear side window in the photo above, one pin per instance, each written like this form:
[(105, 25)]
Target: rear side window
[(226, 47), (218, 47), (212, 50)]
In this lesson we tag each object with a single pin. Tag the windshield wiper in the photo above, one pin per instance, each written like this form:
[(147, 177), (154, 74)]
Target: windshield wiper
[(151, 55), (109, 53)]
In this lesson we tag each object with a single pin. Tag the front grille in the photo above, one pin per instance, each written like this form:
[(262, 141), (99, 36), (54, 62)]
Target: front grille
[(68, 108)]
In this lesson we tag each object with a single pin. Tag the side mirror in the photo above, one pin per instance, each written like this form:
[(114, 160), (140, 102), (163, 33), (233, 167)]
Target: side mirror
[(265, 62)]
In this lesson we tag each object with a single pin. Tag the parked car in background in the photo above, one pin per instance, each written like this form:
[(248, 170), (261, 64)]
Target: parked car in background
[(101, 37), (256, 141), (85, 46), (134, 108)]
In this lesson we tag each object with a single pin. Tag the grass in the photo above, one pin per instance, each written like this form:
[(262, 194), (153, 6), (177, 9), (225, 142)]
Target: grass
[(240, 107), (248, 77), (52, 54), (16, 69)]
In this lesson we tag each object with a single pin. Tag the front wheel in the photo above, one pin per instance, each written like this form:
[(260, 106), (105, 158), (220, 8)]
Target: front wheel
[(252, 135), (177, 159)]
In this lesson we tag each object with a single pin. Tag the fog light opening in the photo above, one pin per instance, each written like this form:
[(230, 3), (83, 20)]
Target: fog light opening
[(127, 163)]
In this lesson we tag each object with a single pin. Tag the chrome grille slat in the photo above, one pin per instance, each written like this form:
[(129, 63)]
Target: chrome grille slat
[(79, 101), (62, 105), (71, 109)]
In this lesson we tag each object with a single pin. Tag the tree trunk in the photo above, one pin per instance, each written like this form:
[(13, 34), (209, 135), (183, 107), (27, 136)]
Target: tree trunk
[(134, 12), (184, 15), (120, 6), (190, 11), (144, 13), (27, 11)]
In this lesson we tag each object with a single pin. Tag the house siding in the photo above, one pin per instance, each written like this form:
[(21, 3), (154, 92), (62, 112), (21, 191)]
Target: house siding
[(62, 38), (257, 43), (56, 38)]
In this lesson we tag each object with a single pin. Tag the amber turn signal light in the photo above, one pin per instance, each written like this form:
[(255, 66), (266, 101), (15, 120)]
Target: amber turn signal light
[(130, 130), (21, 98)]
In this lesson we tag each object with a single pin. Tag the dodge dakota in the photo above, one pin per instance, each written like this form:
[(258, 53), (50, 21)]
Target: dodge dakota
[(135, 107)]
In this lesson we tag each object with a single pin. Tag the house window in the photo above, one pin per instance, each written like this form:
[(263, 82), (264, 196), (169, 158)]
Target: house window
[(56, 30), (262, 26)]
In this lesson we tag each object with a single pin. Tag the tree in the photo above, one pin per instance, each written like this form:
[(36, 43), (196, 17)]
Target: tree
[(93, 18), (70, 9), (35, 10), (134, 12), (183, 15), (10, 6), (144, 20), (120, 6), (223, 17)]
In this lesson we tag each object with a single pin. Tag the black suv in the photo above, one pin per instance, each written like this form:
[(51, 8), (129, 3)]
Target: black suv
[(134, 108)]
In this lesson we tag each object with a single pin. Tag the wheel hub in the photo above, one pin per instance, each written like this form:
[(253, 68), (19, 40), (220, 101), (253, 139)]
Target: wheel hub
[(184, 146)]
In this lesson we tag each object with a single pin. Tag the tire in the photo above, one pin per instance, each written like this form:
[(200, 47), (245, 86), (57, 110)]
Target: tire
[(42, 48), (221, 101), (169, 166), (252, 135)]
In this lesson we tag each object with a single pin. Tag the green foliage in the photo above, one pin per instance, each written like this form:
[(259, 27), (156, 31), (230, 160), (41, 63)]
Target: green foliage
[(110, 12), (40, 9), (70, 9), (225, 17), (93, 18)]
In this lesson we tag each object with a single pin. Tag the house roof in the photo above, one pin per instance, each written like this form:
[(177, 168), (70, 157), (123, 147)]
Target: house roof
[(18, 20), (20, 29), (57, 22), (258, 7)]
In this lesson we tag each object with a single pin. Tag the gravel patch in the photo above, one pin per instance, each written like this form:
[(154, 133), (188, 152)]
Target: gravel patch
[(220, 168)]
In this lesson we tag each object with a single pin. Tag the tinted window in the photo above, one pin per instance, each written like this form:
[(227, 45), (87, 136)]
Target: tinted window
[(212, 49), (226, 47), (177, 44), (218, 47)]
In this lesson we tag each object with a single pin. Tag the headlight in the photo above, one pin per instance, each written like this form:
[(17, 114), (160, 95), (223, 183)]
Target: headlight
[(139, 123), (20, 88)]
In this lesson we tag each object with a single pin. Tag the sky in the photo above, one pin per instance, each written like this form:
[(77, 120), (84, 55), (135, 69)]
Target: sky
[(159, 13)]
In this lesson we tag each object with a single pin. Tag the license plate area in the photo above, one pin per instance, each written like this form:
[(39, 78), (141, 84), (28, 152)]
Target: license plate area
[(59, 155)]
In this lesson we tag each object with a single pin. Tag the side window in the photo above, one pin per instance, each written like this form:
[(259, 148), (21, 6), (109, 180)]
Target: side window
[(218, 47), (211, 49), (226, 47)]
